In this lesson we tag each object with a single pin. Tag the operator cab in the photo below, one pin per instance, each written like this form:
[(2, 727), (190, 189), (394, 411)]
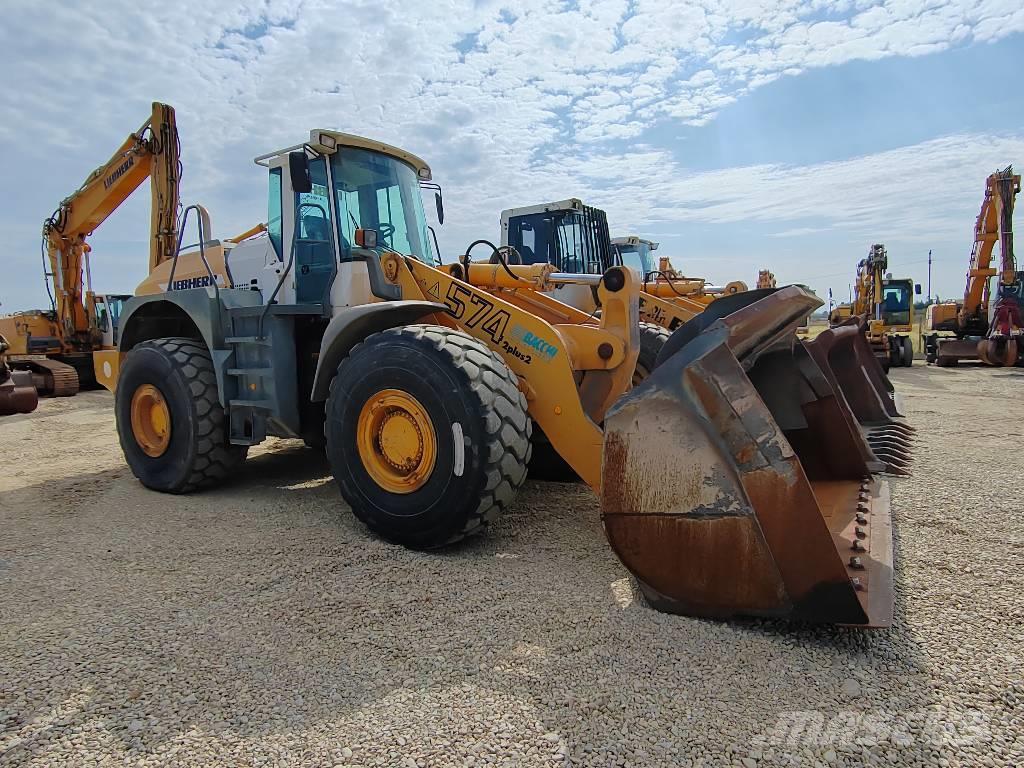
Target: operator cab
[(108, 312), (333, 203), (897, 297), (636, 253), (569, 235)]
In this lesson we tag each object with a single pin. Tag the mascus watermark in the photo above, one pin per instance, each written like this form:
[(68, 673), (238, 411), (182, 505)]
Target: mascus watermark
[(936, 727)]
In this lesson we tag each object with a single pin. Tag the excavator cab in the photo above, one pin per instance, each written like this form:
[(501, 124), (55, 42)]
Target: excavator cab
[(897, 300)]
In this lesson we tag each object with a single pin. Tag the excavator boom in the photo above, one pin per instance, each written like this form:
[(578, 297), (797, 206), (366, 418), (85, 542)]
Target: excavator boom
[(985, 329), (152, 151), (56, 346)]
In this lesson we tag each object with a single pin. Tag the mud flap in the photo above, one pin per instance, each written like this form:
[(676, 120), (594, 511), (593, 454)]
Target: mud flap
[(736, 481)]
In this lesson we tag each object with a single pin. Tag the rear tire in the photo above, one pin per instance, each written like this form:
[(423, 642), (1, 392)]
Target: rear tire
[(472, 416), (198, 454)]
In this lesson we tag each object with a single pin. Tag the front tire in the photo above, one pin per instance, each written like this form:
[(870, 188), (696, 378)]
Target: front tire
[(427, 435), (652, 339), (172, 428), (908, 351)]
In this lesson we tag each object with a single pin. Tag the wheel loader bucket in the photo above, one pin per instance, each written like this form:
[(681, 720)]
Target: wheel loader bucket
[(17, 392), (736, 480), (846, 359)]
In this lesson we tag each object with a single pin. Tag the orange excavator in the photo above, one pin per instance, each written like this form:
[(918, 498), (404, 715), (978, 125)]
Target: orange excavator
[(968, 330), (56, 345)]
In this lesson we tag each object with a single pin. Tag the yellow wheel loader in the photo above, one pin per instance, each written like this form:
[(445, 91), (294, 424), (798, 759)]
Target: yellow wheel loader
[(574, 238), (425, 382)]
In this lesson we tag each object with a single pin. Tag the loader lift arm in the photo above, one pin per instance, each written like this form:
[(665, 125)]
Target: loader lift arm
[(152, 151)]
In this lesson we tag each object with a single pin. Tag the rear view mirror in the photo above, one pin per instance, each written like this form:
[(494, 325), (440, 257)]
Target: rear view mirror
[(298, 170), (917, 289), (440, 207)]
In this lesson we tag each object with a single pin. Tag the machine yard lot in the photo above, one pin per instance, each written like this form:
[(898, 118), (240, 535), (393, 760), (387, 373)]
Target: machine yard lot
[(261, 624)]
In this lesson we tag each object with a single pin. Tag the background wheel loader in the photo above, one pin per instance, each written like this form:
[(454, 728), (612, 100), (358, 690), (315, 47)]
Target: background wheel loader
[(573, 237), (426, 381)]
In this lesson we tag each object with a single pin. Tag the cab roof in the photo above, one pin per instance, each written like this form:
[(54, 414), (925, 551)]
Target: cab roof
[(327, 142)]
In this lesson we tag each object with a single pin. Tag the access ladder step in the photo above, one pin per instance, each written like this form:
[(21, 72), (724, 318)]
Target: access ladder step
[(265, 341), (256, 405)]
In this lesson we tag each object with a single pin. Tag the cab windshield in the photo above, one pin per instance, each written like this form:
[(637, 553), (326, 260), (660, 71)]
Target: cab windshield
[(379, 192), (636, 256), (896, 303)]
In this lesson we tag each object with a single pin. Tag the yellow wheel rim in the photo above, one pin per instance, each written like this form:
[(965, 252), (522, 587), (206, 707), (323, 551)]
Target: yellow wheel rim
[(151, 420), (396, 440)]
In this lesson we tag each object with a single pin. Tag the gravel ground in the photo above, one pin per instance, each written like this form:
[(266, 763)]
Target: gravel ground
[(261, 625)]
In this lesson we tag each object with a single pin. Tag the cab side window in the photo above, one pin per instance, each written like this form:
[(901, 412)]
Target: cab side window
[(274, 212)]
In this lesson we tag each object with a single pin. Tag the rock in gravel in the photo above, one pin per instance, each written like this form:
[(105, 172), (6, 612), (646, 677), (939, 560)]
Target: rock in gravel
[(260, 624)]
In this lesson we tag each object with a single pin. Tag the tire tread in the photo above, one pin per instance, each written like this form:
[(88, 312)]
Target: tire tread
[(216, 459), (508, 427)]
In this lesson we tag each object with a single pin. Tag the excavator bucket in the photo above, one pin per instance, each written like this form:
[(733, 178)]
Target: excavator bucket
[(846, 360), (736, 480)]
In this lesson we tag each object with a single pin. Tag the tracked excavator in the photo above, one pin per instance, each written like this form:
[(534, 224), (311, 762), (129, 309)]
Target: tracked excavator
[(967, 330), (884, 307), (735, 480), (56, 346)]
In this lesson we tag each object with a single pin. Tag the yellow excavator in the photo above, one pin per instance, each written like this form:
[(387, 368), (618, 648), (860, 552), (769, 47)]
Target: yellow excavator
[(56, 346), (966, 330), (736, 479), (884, 307)]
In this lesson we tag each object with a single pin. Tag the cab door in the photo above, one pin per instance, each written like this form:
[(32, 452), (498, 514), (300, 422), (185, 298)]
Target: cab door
[(315, 264)]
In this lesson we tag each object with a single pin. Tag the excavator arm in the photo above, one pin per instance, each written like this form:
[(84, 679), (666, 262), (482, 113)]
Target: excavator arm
[(152, 151), (992, 226)]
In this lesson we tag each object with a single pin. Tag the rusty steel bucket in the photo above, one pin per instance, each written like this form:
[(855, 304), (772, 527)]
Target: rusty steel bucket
[(737, 482), (846, 360), (17, 392)]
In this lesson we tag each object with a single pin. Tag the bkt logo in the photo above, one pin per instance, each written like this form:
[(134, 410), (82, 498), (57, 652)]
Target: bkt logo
[(539, 344)]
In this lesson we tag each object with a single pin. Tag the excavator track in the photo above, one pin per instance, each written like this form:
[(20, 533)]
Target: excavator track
[(50, 377)]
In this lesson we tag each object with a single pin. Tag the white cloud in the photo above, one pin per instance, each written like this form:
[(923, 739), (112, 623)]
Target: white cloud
[(524, 114)]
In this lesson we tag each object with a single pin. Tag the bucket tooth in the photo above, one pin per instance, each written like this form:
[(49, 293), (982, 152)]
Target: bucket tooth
[(846, 360), (773, 495)]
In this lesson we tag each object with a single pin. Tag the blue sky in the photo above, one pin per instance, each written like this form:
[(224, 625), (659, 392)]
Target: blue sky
[(788, 134)]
